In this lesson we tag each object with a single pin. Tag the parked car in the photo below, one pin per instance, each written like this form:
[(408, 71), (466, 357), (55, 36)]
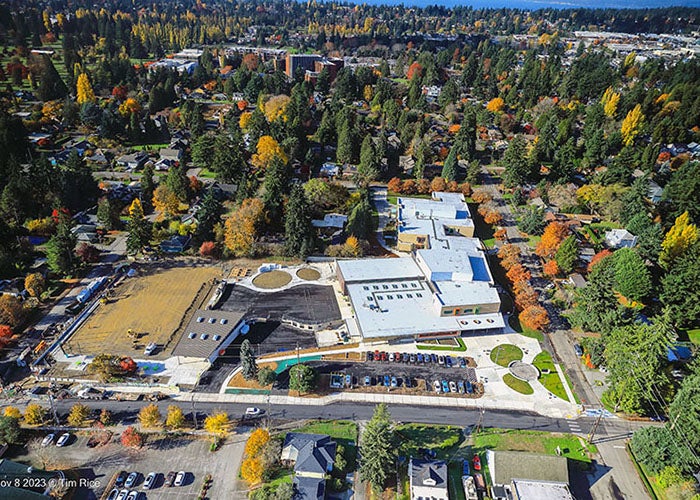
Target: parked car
[(412, 358), (391, 356), (131, 480), (370, 356), (407, 382), (377, 356), (453, 386), (394, 382), (348, 380), (386, 380), (150, 349), (63, 440), (441, 360), (460, 387), (368, 380), (448, 361), (180, 478), (578, 349), (434, 358), (113, 494), (150, 480), (385, 356), (170, 478), (462, 362), (48, 439), (134, 495), (468, 387), (445, 386), (123, 494), (252, 411), (419, 358), (121, 477), (436, 386), (477, 462), (404, 357)]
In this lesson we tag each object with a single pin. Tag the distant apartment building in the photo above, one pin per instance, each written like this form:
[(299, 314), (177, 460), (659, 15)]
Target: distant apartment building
[(312, 65)]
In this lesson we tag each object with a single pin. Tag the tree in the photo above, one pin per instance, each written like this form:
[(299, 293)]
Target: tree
[(345, 152), (78, 415), (531, 220), (632, 278), (131, 438), (150, 417), (551, 268), (678, 240), (518, 273), (256, 442), (266, 376), (78, 188), (302, 378), (175, 419), (631, 125), (266, 150), (12, 411), (610, 101), (378, 449), (84, 92), (87, 253), (525, 295), (105, 417), (218, 424), (449, 170), (495, 105), (680, 294), (241, 228), (129, 107), (60, 249), (165, 202), (553, 235), (138, 227), (519, 168), (567, 255), (35, 284), (147, 188), (681, 192), (9, 430), (248, 364), (51, 86), (684, 421), (34, 414), (298, 231), (368, 169), (108, 213), (534, 317), (276, 186), (178, 182), (360, 220), (106, 366), (252, 470)]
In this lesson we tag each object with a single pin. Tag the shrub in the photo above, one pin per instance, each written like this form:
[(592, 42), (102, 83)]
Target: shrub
[(131, 438), (266, 376)]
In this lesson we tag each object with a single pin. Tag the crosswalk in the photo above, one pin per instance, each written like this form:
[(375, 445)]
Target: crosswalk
[(574, 427)]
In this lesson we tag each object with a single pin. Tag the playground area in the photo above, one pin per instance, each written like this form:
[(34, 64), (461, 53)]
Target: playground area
[(144, 308)]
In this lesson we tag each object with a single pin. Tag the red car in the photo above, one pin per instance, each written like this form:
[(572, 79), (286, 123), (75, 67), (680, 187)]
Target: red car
[(377, 355), (477, 462)]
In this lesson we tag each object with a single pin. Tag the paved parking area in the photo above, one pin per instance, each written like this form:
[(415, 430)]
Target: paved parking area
[(161, 455)]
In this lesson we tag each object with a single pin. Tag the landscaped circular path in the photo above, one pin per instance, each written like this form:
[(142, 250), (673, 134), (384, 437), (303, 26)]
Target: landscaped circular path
[(523, 371), (272, 279)]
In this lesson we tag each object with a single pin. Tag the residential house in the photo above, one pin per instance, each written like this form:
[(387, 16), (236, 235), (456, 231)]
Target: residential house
[(655, 192), (330, 170), (407, 164), (79, 144), (428, 479), (133, 161), (85, 232), (620, 238), (528, 476), (176, 244), (170, 153), (312, 456)]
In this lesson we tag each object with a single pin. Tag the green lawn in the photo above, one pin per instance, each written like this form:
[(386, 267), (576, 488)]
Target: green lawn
[(518, 385), (533, 240), (504, 354), (149, 147), (544, 443), (208, 174), (454, 482), (551, 381), (460, 347), (527, 332), (694, 336), (444, 439)]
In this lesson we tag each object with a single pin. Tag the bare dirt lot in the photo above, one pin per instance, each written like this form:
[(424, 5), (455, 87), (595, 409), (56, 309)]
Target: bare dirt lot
[(152, 304)]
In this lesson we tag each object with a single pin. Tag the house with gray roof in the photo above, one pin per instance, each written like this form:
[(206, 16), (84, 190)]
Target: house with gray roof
[(312, 456), (620, 238), (428, 479), (529, 475)]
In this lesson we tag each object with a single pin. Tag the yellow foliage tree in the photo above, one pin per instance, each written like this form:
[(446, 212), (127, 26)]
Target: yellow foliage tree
[(495, 105), (150, 417), (257, 440), (129, 106), (165, 202), (12, 411), (631, 125), (35, 284), (679, 238), (352, 246), (84, 92), (610, 101), (244, 120), (78, 415), (252, 470), (266, 150), (218, 424), (276, 108), (175, 418), (241, 228), (34, 414)]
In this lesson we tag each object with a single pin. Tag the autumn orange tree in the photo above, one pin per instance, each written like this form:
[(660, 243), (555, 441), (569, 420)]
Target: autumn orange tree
[(35, 284), (256, 442), (500, 234), (525, 295), (84, 92), (551, 268), (438, 184), (415, 69), (509, 255), (597, 258), (252, 470), (131, 438), (518, 273), (276, 108), (165, 202), (553, 235), (12, 312), (495, 105), (394, 185), (481, 196), (129, 107), (266, 150), (534, 317), (678, 240), (241, 228)]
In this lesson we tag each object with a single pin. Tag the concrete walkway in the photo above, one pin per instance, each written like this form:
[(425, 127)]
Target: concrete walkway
[(565, 383)]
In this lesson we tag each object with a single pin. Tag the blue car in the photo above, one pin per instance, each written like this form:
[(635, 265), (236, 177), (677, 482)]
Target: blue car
[(460, 387), (448, 361), (468, 386), (445, 386), (462, 362), (386, 380), (348, 380), (419, 358), (394, 382), (435, 358)]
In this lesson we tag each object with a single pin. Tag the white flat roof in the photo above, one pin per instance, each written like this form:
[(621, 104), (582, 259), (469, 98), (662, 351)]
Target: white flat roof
[(395, 312), (452, 293), (378, 269), (536, 490)]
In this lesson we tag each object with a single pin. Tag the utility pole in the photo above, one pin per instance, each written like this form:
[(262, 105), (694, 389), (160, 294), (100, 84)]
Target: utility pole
[(194, 412), (53, 408), (482, 410), (589, 439)]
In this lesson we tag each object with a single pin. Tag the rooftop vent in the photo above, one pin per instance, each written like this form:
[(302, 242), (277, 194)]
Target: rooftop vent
[(192, 335), (200, 319), (204, 336), (217, 337)]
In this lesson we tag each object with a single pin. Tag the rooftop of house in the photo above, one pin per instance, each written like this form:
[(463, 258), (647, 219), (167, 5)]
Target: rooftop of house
[(504, 466), (311, 453), (536, 490), (309, 488), (428, 473)]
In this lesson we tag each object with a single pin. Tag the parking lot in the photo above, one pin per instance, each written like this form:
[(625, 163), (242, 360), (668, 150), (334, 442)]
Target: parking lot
[(161, 454)]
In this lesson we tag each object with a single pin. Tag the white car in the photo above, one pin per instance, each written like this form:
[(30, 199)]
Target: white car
[(180, 478), (123, 494), (252, 411), (150, 349), (63, 439), (48, 440), (150, 481)]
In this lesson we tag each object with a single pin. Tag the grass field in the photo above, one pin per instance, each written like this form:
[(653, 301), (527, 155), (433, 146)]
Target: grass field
[(459, 346), (151, 303), (440, 438), (544, 443), (504, 354), (527, 332), (518, 385), (272, 279), (551, 381), (694, 336), (308, 274)]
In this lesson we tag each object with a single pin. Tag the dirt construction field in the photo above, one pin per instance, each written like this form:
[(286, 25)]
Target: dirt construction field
[(151, 304)]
